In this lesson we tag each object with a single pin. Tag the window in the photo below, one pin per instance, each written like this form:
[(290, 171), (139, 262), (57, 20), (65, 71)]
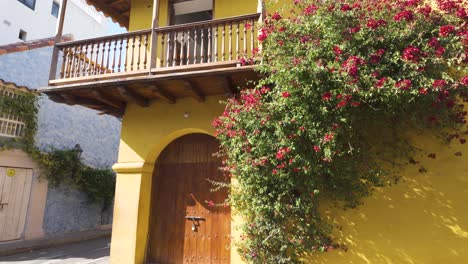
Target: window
[(55, 9), (22, 35), (29, 3)]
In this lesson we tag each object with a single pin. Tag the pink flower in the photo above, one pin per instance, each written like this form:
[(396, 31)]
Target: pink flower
[(426, 10), (211, 203), (422, 91), (440, 51), (461, 13), (439, 84), (263, 35), (374, 24), (411, 54), (276, 16), (326, 96), (341, 104), (404, 84), (316, 148), (444, 31), (434, 43), (345, 7), (285, 94), (406, 15), (280, 42), (464, 80), (328, 137), (248, 26), (337, 50), (281, 154), (310, 9), (274, 171)]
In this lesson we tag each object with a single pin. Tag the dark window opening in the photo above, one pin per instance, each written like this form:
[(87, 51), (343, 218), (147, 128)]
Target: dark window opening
[(29, 3), (22, 35), (55, 9)]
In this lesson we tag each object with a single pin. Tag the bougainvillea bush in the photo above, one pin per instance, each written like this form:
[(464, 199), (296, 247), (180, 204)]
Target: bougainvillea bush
[(340, 78)]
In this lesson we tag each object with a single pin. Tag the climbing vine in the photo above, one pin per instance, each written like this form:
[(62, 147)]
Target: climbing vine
[(58, 166), (344, 81)]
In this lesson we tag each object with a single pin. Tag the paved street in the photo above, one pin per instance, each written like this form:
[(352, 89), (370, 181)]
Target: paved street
[(89, 252)]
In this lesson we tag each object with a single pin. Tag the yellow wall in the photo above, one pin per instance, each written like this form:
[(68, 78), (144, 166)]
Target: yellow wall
[(423, 219)]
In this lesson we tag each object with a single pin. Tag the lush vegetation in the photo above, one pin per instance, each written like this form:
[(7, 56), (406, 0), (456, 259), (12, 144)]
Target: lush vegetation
[(58, 166), (344, 80)]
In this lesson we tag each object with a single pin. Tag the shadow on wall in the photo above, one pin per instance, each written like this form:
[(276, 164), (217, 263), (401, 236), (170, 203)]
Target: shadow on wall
[(422, 219)]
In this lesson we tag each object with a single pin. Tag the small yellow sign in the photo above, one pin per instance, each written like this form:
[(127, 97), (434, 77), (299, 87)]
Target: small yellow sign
[(11, 172)]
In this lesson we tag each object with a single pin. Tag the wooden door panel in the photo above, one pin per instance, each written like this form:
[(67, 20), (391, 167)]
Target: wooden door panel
[(14, 192), (181, 189)]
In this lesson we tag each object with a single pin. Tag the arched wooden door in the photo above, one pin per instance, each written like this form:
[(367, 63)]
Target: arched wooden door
[(184, 228)]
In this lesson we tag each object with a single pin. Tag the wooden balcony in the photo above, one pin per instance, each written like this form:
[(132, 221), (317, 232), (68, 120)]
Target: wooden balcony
[(167, 63)]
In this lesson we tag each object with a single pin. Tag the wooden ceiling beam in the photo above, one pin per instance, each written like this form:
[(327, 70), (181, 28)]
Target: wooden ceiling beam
[(91, 103), (196, 93), (98, 95), (229, 86), (163, 94), (108, 10), (132, 96)]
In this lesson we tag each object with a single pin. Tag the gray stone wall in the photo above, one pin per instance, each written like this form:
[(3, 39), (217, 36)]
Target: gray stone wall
[(62, 126)]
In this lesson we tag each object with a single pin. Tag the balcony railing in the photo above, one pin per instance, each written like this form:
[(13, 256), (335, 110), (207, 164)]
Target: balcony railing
[(11, 125), (171, 48)]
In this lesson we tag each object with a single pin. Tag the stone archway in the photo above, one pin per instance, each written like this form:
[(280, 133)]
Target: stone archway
[(183, 226)]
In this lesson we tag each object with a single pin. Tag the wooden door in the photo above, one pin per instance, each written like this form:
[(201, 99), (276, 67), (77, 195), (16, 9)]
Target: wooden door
[(184, 228), (15, 188)]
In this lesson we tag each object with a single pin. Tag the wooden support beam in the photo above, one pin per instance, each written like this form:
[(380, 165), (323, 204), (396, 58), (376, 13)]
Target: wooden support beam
[(165, 95), (98, 95), (229, 86), (131, 96), (57, 98), (196, 93), (92, 103), (58, 38)]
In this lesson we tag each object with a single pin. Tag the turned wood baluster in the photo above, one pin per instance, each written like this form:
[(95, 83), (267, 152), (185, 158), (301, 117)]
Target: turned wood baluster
[(97, 71), (188, 47), (114, 56), (202, 47), (139, 52), (216, 44), (85, 63), (168, 50), (163, 42), (64, 61), (174, 47), (181, 55), (73, 63), (133, 54), (195, 37), (119, 63), (78, 61), (109, 43), (90, 64), (237, 42), (245, 40), (223, 39), (252, 36), (146, 50), (126, 67), (102, 70), (209, 44), (230, 40)]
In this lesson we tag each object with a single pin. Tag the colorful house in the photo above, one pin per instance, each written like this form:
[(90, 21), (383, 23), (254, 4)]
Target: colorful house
[(165, 79), (32, 211)]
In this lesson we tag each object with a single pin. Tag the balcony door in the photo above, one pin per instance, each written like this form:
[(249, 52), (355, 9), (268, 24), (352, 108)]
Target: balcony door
[(191, 44)]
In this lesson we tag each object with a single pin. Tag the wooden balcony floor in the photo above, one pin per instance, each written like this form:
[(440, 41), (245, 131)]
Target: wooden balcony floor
[(110, 93)]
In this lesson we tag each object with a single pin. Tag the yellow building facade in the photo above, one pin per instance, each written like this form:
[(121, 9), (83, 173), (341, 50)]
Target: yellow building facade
[(423, 219)]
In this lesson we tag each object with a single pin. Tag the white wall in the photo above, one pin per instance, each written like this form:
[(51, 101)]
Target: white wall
[(83, 22)]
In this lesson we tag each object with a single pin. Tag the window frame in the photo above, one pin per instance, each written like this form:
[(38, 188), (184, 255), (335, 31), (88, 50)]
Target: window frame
[(25, 2), (55, 3)]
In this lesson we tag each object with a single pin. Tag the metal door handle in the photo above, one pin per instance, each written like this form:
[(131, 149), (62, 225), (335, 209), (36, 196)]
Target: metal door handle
[(195, 218)]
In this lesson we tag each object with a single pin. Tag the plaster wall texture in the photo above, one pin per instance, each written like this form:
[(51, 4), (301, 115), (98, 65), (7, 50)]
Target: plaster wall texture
[(63, 126), (82, 21)]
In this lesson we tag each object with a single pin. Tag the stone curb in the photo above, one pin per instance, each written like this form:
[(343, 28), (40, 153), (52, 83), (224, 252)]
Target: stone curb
[(21, 246)]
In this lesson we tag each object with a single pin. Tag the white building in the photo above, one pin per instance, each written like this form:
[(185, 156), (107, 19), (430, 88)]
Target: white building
[(37, 19)]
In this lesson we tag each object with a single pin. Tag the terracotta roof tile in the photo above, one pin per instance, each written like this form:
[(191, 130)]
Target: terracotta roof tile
[(32, 44), (16, 87)]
